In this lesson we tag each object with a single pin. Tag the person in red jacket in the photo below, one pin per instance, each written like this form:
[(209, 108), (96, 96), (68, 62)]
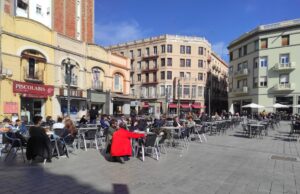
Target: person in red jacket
[(121, 145)]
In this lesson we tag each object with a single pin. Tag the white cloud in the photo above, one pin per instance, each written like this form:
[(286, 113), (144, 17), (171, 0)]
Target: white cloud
[(113, 33), (221, 49)]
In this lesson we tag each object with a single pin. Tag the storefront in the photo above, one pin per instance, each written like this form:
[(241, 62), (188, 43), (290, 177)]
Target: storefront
[(120, 104), (100, 100), (78, 103), (33, 99)]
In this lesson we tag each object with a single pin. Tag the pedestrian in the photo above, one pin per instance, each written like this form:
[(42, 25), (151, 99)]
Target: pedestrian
[(93, 113)]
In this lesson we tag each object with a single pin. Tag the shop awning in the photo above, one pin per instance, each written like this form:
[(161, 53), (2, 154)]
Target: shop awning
[(146, 106), (172, 105), (197, 106), (184, 106)]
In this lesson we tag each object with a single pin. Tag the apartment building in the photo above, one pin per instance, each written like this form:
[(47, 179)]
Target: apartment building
[(263, 66), (168, 72), (71, 18)]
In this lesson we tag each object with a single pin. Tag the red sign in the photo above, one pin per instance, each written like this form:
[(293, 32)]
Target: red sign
[(33, 89), (10, 107)]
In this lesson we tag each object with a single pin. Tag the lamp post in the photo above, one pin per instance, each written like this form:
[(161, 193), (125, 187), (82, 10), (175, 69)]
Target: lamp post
[(69, 67), (178, 96), (167, 100)]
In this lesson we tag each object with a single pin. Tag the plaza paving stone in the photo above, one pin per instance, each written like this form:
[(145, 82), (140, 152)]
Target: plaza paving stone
[(225, 164)]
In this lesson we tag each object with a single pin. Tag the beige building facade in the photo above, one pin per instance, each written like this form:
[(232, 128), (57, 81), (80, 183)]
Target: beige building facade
[(168, 71), (263, 67)]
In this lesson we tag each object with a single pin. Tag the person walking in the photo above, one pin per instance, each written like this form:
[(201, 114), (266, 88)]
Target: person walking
[(93, 115)]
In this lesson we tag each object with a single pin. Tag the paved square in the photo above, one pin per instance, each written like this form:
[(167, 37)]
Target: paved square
[(225, 164)]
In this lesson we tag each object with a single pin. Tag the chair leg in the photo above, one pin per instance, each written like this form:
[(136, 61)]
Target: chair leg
[(84, 142), (143, 153), (8, 153), (205, 139), (45, 160), (23, 154), (200, 138), (96, 142)]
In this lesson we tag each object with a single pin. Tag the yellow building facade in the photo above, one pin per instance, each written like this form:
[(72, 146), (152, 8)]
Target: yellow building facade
[(33, 73)]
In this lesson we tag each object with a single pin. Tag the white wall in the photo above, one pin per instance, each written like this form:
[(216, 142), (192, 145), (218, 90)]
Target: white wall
[(45, 17)]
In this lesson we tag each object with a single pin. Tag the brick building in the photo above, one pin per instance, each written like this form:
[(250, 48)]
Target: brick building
[(72, 18)]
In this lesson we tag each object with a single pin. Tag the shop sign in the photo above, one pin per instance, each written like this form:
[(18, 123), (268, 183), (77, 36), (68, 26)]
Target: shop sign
[(10, 107), (33, 89), (98, 97)]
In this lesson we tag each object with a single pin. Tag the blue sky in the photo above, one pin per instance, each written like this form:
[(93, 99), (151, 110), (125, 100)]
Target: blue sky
[(220, 21)]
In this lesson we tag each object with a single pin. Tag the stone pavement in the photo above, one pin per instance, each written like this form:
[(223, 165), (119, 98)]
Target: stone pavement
[(225, 164)]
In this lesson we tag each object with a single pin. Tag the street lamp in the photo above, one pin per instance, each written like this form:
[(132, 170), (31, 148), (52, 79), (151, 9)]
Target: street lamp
[(69, 67), (178, 96)]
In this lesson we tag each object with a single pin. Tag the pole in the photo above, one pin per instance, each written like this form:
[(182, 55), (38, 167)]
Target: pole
[(167, 110), (178, 96), (209, 95), (69, 83)]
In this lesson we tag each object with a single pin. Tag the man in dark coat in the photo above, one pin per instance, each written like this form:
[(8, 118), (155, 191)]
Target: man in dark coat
[(39, 142), (93, 115)]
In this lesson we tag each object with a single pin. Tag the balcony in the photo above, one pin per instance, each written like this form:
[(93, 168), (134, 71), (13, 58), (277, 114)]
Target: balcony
[(189, 80), (149, 56), (284, 66), (241, 73), (74, 81), (149, 82), (152, 96), (149, 69), (97, 85), (37, 76), (282, 87), (241, 91)]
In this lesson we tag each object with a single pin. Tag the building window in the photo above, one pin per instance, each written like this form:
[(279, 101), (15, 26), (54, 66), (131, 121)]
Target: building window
[(181, 74), (188, 50), (285, 40), (118, 86), (38, 9), (163, 48), (231, 56), (169, 75), (131, 54), (169, 62), (200, 63), (169, 48), (139, 52), (162, 91), (240, 52), (255, 62), (182, 63), (285, 59), (22, 4), (122, 53), (256, 45), (139, 77), (264, 43), (188, 75), (188, 63), (182, 49), (186, 91), (263, 81), (31, 68), (255, 82), (200, 76), (162, 75), (200, 91), (263, 62), (200, 50), (163, 62), (240, 66), (139, 65), (194, 91), (155, 63), (155, 50), (147, 51), (169, 90), (245, 50), (284, 78)]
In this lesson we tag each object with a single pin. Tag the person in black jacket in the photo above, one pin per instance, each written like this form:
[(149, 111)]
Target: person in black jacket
[(39, 142), (93, 113)]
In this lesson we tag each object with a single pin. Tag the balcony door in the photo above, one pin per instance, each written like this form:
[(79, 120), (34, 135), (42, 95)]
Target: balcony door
[(284, 79), (31, 68)]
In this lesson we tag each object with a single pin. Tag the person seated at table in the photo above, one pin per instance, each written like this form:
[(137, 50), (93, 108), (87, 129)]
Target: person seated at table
[(59, 124), (83, 120), (104, 122), (190, 125), (69, 129), (21, 127), (111, 129), (176, 122), (39, 142), (142, 124), (217, 117), (121, 144), (49, 121)]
